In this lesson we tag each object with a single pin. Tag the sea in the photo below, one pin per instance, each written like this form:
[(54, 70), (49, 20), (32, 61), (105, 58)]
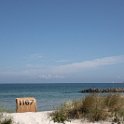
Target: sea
[(49, 96)]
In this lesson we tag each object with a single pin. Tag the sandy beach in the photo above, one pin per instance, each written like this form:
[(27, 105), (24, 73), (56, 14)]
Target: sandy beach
[(42, 118)]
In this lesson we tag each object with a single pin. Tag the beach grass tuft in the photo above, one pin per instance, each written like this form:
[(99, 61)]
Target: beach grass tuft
[(5, 119), (93, 108)]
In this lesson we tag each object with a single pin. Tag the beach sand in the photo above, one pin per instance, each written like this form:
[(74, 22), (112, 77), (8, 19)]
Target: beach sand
[(42, 118)]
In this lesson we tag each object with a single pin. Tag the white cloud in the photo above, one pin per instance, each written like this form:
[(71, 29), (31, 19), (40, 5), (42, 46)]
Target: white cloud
[(62, 61), (61, 71), (36, 56), (84, 65)]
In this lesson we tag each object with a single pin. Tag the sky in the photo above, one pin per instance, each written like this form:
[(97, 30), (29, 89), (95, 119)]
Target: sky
[(61, 41)]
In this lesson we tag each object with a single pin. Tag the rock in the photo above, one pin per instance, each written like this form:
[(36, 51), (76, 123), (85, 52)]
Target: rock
[(105, 90)]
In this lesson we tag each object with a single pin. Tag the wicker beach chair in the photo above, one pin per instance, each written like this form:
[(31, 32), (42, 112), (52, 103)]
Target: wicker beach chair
[(27, 104)]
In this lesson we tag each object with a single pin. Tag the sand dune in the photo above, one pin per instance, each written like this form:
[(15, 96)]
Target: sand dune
[(42, 118)]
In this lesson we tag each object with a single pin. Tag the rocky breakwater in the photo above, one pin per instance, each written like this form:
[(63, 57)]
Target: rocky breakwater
[(103, 90)]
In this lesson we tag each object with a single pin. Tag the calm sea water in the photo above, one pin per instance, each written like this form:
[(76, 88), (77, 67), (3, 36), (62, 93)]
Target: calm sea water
[(48, 96)]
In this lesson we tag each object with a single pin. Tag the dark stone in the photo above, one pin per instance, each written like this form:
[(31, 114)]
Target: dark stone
[(105, 90)]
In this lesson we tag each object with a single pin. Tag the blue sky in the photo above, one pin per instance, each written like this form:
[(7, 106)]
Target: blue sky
[(47, 41)]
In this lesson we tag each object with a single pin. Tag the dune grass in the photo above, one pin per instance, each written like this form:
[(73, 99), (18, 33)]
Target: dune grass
[(4, 119), (93, 108)]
